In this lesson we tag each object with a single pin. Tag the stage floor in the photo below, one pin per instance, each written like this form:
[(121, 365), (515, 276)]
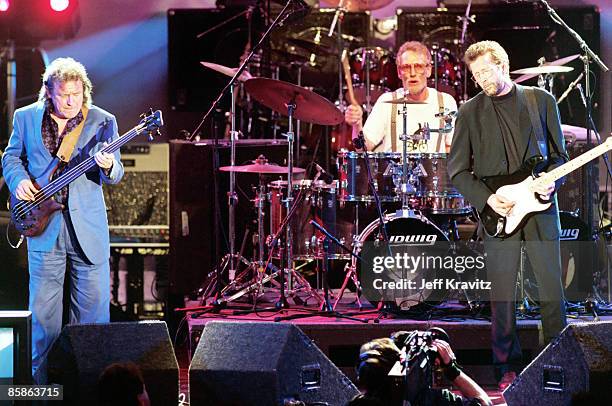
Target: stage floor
[(340, 335)]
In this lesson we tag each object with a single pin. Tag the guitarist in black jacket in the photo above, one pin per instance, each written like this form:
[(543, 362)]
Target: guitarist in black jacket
[(496, 133)]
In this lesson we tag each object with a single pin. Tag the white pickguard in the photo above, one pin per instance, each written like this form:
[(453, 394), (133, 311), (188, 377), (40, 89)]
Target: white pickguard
[(524, 200)]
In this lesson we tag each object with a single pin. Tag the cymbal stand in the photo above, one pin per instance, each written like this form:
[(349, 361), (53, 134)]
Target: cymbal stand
[(287, 258), (406, 187)]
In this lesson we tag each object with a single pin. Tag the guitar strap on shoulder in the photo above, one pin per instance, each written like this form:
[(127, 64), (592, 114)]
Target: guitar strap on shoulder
[(65, 149), (536, 122), (442, 122), (394, 125)]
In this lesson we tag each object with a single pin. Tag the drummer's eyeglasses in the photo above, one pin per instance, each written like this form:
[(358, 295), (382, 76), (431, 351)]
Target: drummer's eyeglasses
[(418, 67), (483, 74)]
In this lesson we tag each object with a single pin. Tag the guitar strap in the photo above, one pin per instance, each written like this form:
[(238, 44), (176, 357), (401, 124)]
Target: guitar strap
[(394, 125), (441, 135), (65, 149), (536, 122)]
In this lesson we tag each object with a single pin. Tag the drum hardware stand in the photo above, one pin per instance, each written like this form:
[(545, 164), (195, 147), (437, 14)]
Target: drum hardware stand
[(465, 20), (326, 309), (523, 307), (282, 16), (351, 272)]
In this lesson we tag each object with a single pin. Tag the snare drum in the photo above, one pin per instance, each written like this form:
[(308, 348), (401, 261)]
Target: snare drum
[(386, 172), (436, 194)]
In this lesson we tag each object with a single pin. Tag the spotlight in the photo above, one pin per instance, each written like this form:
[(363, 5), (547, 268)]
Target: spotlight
[(59, 5), (4, 5)]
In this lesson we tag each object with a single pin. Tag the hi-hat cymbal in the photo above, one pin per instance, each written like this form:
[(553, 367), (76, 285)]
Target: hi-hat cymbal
[(357, 5), (310, 107), (404, 101), (244, 76), (542, 70), (558, 62), (261, 168)]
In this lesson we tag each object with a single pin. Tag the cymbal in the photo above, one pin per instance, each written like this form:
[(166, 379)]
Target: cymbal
[(261, 168), (558, 62), (357, 5), (404, 101), (244, 76), (312, 47), (310, 107), (542, 70)]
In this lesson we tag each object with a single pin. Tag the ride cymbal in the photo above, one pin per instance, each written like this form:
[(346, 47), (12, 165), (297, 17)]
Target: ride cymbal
[(309, 106)]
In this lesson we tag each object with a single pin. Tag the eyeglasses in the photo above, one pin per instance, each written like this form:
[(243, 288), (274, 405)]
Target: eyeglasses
[(418, 67), (483, 74)]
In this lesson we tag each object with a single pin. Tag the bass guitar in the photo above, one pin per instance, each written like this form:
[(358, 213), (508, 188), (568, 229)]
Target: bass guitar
[(30, 217), (520, 187)]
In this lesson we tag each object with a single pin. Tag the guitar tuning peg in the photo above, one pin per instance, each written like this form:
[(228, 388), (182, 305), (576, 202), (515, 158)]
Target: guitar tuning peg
[(150, 111), (143, 115)]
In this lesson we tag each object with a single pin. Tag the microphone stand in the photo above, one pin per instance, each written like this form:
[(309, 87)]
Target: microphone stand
[(586, 59)]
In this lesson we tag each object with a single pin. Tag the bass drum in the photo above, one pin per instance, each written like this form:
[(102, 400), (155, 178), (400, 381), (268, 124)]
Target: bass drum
[(417, 229)]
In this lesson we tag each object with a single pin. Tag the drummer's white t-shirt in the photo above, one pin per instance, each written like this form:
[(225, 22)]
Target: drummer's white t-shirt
[(377, 128)]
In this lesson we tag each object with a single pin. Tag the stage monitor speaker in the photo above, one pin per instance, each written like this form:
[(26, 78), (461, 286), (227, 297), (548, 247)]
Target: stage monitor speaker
[(82, 352), (577, 363), (263, 364)]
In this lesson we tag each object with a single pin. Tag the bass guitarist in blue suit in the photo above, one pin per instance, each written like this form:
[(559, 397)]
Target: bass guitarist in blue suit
[(74, 244)]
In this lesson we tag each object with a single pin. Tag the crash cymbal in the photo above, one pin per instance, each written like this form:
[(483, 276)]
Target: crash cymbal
[(542, 70), (261, 168), (558, 62), (356, 5), (244, 76), (404, 101), (310, 107)]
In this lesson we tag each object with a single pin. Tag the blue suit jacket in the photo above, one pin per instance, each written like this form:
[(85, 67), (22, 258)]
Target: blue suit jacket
[(26, 156)]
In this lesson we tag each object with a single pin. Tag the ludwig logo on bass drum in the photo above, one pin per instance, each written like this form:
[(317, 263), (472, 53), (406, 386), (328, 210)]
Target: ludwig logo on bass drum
[(417, 239), (569, 234)]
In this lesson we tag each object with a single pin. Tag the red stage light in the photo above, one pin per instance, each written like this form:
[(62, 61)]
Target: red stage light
[(59, 5), (4, 5)]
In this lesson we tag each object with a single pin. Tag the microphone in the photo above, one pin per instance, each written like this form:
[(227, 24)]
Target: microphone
[(359, 142), (570, 88), (323, 174)]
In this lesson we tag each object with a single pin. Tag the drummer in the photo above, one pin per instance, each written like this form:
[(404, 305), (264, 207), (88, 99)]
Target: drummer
[(384, 125)]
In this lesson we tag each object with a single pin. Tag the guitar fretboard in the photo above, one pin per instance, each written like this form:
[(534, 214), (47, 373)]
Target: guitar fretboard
[(574, 164)]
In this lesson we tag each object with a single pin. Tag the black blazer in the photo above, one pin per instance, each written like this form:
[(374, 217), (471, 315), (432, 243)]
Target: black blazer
[(477, 149)]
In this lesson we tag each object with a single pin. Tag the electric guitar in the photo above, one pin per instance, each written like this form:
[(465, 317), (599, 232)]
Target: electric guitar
[(520, 187), (30, 217)]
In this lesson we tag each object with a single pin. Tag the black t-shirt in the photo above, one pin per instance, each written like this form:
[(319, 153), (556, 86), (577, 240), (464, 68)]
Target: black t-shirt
[(507, 111)]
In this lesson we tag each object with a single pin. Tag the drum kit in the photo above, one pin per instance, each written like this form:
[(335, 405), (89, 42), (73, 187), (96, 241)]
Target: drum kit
[(287, 208), (297, 218)]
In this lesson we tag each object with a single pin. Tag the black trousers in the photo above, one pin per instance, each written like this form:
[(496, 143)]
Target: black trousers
[(540, 236)]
